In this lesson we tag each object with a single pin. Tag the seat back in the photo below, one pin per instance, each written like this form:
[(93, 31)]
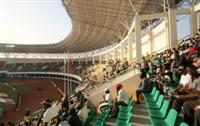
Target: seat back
[(171, 117), (160, 101), (155, 97), (153, 91), (184, 124), (164, 107)]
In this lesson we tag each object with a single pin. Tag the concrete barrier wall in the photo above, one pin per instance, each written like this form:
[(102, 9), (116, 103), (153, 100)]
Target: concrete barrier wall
[(130, 82)]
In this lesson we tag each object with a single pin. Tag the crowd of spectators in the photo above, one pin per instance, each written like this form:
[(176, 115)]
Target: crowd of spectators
[(176, 73), (107, 70)]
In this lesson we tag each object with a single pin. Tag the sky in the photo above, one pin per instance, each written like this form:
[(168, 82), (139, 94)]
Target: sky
[(33, 21)]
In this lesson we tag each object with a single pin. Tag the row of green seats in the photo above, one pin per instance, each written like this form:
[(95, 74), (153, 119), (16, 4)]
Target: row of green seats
[(125, 114), (101, 120), (158, 107), (90, 117)]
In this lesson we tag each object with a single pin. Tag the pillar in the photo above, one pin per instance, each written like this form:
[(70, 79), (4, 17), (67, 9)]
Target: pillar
[(122, 52), (115, 54), (138, 45), (130, 47), (193, 22), (172, 29), (93, 60), (151, 42), (100, 60)]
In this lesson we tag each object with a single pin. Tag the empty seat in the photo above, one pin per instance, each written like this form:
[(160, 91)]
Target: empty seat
[(169, 121), (162, 112)]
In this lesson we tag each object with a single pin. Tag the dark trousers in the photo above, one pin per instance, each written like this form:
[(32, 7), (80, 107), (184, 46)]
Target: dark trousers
[(138, 93), (197, 118), (116, 107), (178, 103), (191, 116)]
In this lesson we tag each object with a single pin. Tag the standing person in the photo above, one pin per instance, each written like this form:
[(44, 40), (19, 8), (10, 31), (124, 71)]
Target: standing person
[(144, 65), (144, 87), (107, 100), (83, 113), (122, 99)]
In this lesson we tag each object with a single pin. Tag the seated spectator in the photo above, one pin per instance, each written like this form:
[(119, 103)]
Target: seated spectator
[(192, 112), (50, 113), (83, 113), (184, 80), (188, 93), (122, 100), (144, 87), (107, 100), (27, 117), (73, 119)]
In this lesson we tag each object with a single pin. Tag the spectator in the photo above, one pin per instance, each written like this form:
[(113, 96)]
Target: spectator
[(122, 99), (144, 87), (27, 117), (83, 113), (107, 100), (73, 119)]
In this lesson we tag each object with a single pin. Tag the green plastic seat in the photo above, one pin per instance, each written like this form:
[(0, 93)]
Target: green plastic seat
[(123, 124), (99, 123), (124, 116), (156, 105), (169, 121), (126, 109), (184, 124), (154, 98), (121, 121), (153, 91), (161, 114)]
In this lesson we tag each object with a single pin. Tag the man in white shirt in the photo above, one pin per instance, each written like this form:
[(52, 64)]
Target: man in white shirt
[(107, 100), (83, 113), (50, 113), (122, 100), (185, 78)]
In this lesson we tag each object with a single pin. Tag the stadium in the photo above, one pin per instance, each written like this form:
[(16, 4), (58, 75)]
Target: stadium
[(124, 63)]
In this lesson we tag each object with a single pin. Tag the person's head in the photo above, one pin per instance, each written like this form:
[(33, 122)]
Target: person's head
[(192, 71), (107, 91), (119, 86)]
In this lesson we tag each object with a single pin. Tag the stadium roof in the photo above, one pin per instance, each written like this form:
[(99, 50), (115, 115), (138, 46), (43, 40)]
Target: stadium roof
[(95, 24)]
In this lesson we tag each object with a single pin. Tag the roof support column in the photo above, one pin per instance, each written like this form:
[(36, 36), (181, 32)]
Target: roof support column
[(193, 22), (130, 47), (93, 60), (100, 61), (151, 41), (86, 60), (172, 32), (138, 45), (115, 54), (122, 52)]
